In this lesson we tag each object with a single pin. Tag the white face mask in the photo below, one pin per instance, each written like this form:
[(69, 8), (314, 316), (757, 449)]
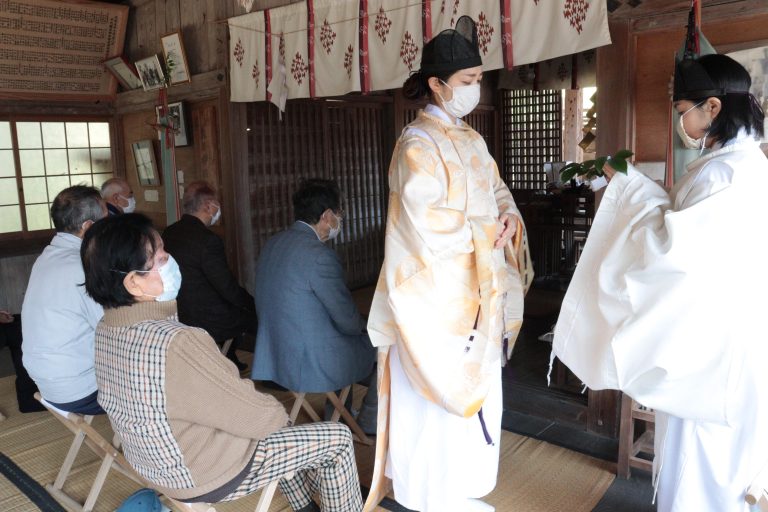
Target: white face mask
[(216, 216), (688, 141), (131, 204), (335, 231), (464, 101), (171, 277)]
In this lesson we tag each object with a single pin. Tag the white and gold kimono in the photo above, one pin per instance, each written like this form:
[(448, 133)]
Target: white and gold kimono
[(667, 305), (444, 303)]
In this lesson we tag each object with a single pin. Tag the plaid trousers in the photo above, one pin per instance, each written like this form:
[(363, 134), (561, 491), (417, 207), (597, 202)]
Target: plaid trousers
[(323, 459)]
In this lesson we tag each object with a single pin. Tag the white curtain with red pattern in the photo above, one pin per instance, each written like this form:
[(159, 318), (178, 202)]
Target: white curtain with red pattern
[(329, 48), (395, 39), (336, 39), (247, 74), (487, 16), (289, 52), (545, 29)]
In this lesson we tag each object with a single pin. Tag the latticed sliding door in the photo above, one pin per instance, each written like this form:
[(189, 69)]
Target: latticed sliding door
[(345, 141), (532, 124)]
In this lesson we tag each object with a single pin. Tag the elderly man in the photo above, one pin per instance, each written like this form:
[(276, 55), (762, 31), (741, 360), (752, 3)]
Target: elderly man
[(311, 337), (119, 196), (58, 318), (210, 296)]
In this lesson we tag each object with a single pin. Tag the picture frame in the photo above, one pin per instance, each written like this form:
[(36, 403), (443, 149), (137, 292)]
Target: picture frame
[(151, 73), (146, 166), (175, 58), (123, 71), (176, 115)]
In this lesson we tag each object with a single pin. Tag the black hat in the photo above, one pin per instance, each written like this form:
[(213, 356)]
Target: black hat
[(452, 49), (692, 81)]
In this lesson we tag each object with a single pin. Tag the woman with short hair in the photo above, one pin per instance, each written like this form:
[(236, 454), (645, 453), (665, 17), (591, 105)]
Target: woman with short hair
[(187, 421)]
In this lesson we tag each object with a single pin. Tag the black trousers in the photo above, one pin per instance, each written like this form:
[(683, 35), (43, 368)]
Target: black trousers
[(10, 336)]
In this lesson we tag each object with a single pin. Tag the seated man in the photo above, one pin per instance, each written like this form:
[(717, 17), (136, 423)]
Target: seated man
[(118, 195), (188, 422), (210, 296), (10, 336), (58, 317), (311, 337)]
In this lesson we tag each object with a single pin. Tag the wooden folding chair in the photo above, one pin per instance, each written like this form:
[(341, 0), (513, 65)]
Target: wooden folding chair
[(265, 500), (340, 411), (80, 426), (112, 458), (225, 346)]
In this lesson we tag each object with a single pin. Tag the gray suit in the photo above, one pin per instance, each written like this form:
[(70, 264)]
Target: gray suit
[(311, 337)]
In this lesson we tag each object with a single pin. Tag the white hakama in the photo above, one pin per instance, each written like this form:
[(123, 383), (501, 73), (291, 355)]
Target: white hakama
[(437, 458)]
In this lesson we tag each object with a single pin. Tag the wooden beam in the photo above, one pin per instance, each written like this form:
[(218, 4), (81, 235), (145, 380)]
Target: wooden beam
[(202, 86), (673, 14)]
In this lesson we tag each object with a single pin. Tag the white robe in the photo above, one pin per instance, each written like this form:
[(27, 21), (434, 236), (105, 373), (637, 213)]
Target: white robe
[(665, 305)]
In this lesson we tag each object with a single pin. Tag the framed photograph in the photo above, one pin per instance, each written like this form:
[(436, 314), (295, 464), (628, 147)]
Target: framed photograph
[(179, 122), (151, 73), (124, 72), (146, 167), (175, 58)]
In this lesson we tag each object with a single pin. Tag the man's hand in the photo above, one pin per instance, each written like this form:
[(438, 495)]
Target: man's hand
[(5, 317), (510, 226)]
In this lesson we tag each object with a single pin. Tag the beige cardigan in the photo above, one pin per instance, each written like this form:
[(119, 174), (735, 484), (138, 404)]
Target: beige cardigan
[(188, 422)]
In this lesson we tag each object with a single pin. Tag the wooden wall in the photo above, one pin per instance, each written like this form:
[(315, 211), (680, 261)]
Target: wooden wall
[(653, 50), (634, 72)]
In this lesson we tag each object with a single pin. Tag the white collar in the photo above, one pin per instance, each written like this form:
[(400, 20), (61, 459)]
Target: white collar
[(436, 111), (742, 141)]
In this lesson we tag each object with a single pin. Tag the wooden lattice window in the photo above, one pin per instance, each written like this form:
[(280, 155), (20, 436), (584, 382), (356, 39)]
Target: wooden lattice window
[(331, 139), (532, 136)]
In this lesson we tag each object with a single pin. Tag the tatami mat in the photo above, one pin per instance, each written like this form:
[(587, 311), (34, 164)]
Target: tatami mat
[(534, 476)]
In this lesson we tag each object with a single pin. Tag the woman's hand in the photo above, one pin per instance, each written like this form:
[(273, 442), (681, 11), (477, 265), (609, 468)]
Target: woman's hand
[(609, 171), (510, 226)]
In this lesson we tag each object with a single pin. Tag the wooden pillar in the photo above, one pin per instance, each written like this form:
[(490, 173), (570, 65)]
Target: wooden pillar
[(572, 133)]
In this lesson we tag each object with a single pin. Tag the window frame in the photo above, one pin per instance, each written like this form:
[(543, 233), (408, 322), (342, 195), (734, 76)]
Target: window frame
[(25, 241)]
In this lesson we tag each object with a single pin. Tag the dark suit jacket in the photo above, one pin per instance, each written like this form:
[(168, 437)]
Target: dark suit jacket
[(311, 337), (210, 297)]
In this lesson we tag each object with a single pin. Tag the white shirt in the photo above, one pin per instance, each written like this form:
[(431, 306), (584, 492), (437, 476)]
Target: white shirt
[(58, 322)]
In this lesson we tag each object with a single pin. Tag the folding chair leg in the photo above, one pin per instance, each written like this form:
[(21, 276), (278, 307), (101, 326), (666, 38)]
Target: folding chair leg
[(343, 399), (265, 500), (296, 407), (359, 435), (300, 403), (98, 483), (69, 460)]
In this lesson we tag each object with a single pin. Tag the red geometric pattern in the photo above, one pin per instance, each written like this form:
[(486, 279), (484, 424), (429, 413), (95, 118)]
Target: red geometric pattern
[(455, 9), (484, 32), (239, 52), (408, 50), (575, 11), (256, 73), (299, 68), (327, 37), (383, 24), (348, 60)]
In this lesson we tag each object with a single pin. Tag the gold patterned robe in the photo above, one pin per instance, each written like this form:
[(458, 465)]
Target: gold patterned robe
[(445, 296)]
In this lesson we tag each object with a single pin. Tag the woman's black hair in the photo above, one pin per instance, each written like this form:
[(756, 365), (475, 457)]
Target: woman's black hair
[(416, 86), (738, 110), (111, 248)]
